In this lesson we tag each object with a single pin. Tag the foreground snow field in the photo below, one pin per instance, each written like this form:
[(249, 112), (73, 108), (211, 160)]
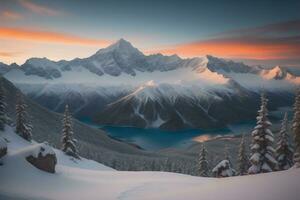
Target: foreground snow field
[(86, 179)]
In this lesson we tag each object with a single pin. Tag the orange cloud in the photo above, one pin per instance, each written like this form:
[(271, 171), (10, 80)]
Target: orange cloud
[(48, 37), (39, 9), (236, 49), (202, 138), (7, 14), (9, 54), (270, 42)]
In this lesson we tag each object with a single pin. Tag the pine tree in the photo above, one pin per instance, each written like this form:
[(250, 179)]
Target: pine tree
[(296, 130), (68, 142), (227, 154), (3, 116), (166, 165), (262, 158), (284, 151), (23, 125), (243, 164), (203, 163)]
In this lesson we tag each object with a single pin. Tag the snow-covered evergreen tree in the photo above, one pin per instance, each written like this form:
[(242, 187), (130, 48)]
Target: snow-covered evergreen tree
[(243, 163), (203, 163), (223, 169), (296, 130), (284, 151), (68, 142), (3, 116), (262, 152), (23, 125)]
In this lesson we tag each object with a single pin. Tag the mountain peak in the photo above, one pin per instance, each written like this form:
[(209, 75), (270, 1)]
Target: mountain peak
[(277, 68), (122, 40), (121, 46), (122, 43), (276, 72)]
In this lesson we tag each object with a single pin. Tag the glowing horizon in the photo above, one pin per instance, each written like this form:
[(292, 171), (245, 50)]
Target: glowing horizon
[(56, 30)]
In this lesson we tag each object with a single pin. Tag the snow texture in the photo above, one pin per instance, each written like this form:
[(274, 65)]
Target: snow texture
[(43, 149), (85, 179)]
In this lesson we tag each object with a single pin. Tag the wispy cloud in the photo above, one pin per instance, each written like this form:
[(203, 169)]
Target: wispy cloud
[(240, 47), (48, 37), (287, 27), (9, 54), (270, 42), (39, 9), (10, 15)]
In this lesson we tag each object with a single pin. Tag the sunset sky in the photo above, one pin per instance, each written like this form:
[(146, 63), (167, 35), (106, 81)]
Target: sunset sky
[(256, 32)]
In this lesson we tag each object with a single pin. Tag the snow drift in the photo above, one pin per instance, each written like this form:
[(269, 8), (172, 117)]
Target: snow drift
[(86, 179)]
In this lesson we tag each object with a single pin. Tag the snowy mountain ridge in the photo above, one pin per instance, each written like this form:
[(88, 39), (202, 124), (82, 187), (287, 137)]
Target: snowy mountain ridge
[(279, 73), (121, 62), (120, 75), (122, 57)]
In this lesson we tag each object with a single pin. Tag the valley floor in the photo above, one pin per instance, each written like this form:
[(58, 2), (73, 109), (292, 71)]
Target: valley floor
[(89, 180)]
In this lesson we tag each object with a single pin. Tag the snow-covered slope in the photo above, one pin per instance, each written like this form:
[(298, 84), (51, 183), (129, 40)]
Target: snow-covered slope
[(171, 106), (86, 179), (93, 143), (18, 148), (279, 73)]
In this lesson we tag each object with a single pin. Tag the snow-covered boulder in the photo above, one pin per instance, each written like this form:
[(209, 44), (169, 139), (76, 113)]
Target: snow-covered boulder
[(3, 148), (223, 169), (43, 157)]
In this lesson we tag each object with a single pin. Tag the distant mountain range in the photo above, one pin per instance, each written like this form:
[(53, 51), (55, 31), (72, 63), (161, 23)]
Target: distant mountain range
[(119, 85)]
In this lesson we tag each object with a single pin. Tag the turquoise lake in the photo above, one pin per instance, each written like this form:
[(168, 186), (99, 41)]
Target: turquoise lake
[(155, 139)]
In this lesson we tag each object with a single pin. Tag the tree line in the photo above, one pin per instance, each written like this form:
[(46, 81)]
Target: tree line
[(263, 156), (23, 125)]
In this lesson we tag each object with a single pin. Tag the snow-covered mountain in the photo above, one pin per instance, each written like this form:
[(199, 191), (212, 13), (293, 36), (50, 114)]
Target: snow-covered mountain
[(151, 91), (124, 61), (279, 73), (170, 106), (86, 179)]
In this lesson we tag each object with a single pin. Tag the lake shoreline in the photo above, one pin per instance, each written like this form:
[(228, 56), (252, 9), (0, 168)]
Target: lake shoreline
[(153, 139)]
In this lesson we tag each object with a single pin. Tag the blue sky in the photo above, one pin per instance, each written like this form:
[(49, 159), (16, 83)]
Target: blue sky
[(152, 26)]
